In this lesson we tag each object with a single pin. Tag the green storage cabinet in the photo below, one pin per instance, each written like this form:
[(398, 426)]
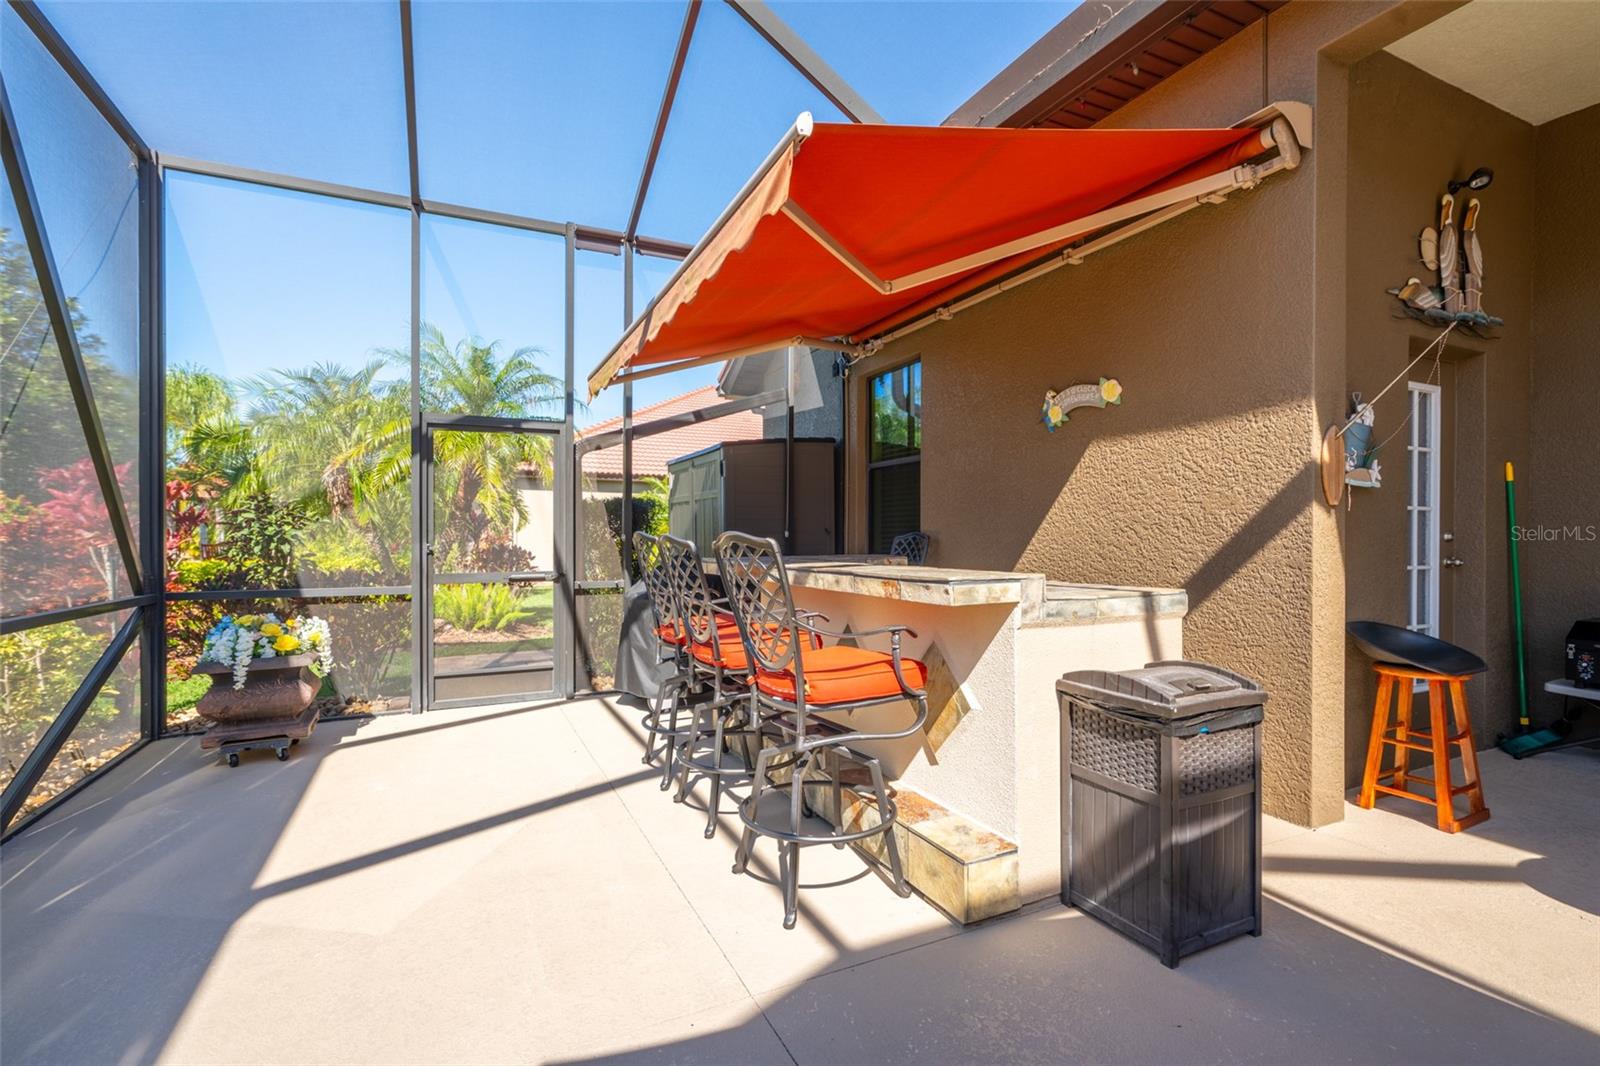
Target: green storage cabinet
[(739, 485)]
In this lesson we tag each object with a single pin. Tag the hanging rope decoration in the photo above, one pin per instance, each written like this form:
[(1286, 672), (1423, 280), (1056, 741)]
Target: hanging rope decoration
[(1333, 451)]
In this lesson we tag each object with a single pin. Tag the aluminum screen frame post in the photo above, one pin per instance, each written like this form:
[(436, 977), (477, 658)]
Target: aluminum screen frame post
[(566, 658), (788, 449), (421, 542), (627, 417), (800, 55), (668, 95), (152, 447)]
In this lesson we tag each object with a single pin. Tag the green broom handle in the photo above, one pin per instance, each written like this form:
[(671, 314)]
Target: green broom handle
[(1516, 596)]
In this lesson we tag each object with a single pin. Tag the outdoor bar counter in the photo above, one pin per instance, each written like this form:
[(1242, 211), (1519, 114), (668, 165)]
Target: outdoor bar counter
[(979, 789)]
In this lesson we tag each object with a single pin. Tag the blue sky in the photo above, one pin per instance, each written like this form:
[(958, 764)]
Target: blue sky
[(541, 109)]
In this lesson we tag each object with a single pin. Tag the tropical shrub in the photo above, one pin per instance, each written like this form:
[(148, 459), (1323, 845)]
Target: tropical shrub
[(479, 607), (650, 515), (184, 692), (372, 633), (337, 555), (58, 549), (40, 669), (259, 542)]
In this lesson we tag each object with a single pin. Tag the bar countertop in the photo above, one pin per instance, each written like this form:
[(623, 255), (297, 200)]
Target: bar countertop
[(1043, 602)]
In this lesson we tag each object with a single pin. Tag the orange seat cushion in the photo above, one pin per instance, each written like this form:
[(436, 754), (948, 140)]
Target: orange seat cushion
[(727, 629), (731, 647), (840, 674)]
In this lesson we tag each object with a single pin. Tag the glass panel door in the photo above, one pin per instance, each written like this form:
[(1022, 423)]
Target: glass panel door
[(495, 588)]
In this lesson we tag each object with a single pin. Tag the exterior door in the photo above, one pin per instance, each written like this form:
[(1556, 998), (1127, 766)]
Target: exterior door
[(1431, 561), (496, 592)]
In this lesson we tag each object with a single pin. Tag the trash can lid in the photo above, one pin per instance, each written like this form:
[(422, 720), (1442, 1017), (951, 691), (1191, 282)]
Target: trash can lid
[(1165, 690)]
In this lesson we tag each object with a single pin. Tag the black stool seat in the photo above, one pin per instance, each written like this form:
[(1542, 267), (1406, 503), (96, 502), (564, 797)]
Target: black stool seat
[(1406, 647)]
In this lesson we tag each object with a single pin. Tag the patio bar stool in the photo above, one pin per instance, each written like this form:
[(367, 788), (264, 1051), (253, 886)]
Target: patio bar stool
[(795, 677), (716, 660), (1395, 683), (912, 547), (662, 714)]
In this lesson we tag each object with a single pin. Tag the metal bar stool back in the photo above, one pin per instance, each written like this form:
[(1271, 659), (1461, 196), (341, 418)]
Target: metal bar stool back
[(717, 659), (794, 677), (913, 547), (661, 718)]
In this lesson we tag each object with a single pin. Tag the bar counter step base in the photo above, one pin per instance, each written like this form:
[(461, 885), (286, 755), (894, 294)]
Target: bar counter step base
[(962, 868)]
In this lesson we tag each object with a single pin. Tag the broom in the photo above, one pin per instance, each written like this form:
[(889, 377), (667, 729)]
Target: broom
[(1524, 742)]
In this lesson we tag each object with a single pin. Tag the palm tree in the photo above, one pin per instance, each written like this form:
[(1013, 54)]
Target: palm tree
[(475, 473), (337, 441), (194, 397)]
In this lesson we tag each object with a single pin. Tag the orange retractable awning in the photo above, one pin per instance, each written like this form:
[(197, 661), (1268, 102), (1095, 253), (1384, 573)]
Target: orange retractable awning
[(848, 230)]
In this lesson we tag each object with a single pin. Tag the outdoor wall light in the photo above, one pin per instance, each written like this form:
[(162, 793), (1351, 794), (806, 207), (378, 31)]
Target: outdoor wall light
[(1479, 179)]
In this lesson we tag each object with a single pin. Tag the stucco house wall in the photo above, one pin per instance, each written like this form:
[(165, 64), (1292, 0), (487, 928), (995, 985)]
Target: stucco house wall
[(1204, 478), (1238, 333), (1409, 134), (1560, 489)]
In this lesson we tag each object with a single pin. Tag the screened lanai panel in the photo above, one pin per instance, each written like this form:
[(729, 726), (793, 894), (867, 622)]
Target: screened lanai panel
[(41, 668), (597, 307), (288, 388), (109, 726), (371, 653), (736, 90), (541, 109), (305, 88), (915, 62), (57, 548), (650, 276), (88, 190), (493, 320)]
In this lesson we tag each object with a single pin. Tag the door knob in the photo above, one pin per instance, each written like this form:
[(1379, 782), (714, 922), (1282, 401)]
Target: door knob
[(1452, 561)]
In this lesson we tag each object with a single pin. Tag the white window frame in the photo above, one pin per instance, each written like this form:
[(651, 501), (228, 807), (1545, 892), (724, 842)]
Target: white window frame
[(1423, 518)]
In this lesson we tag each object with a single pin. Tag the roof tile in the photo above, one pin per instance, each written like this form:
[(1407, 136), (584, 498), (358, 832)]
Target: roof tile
[(652, 454)]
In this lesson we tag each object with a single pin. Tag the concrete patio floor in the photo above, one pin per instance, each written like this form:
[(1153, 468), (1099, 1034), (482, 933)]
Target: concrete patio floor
[(509, 885)]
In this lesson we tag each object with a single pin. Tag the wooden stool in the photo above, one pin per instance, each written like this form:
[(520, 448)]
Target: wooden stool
[(1438, 738)]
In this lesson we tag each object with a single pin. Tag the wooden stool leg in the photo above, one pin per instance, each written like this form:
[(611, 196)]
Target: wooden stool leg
[(1402, 733), (1380, 715), (1476, 811), (1441, 756)]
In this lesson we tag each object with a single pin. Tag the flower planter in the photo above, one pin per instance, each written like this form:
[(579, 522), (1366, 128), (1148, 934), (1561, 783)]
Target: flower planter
[(273, 709)]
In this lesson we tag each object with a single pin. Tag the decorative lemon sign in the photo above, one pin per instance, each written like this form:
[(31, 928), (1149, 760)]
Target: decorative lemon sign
[(1057, 404)]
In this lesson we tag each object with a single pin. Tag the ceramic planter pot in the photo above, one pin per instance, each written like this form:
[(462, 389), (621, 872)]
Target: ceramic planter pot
[(274, 703)]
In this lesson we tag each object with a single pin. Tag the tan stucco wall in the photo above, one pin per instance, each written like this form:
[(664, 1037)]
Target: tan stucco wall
[(1204, 478), (1229, 330), (1560, 488), (1409, 135)]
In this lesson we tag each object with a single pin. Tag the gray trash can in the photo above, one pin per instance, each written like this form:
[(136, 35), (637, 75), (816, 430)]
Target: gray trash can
[(1160, 803)]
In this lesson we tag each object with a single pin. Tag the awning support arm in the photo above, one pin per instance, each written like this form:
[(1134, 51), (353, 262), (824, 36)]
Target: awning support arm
[(668, 423), (738, 353), (1245, 176)]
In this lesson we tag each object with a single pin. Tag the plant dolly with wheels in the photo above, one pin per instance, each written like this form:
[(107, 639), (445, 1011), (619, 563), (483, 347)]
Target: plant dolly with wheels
[(280, 736)]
